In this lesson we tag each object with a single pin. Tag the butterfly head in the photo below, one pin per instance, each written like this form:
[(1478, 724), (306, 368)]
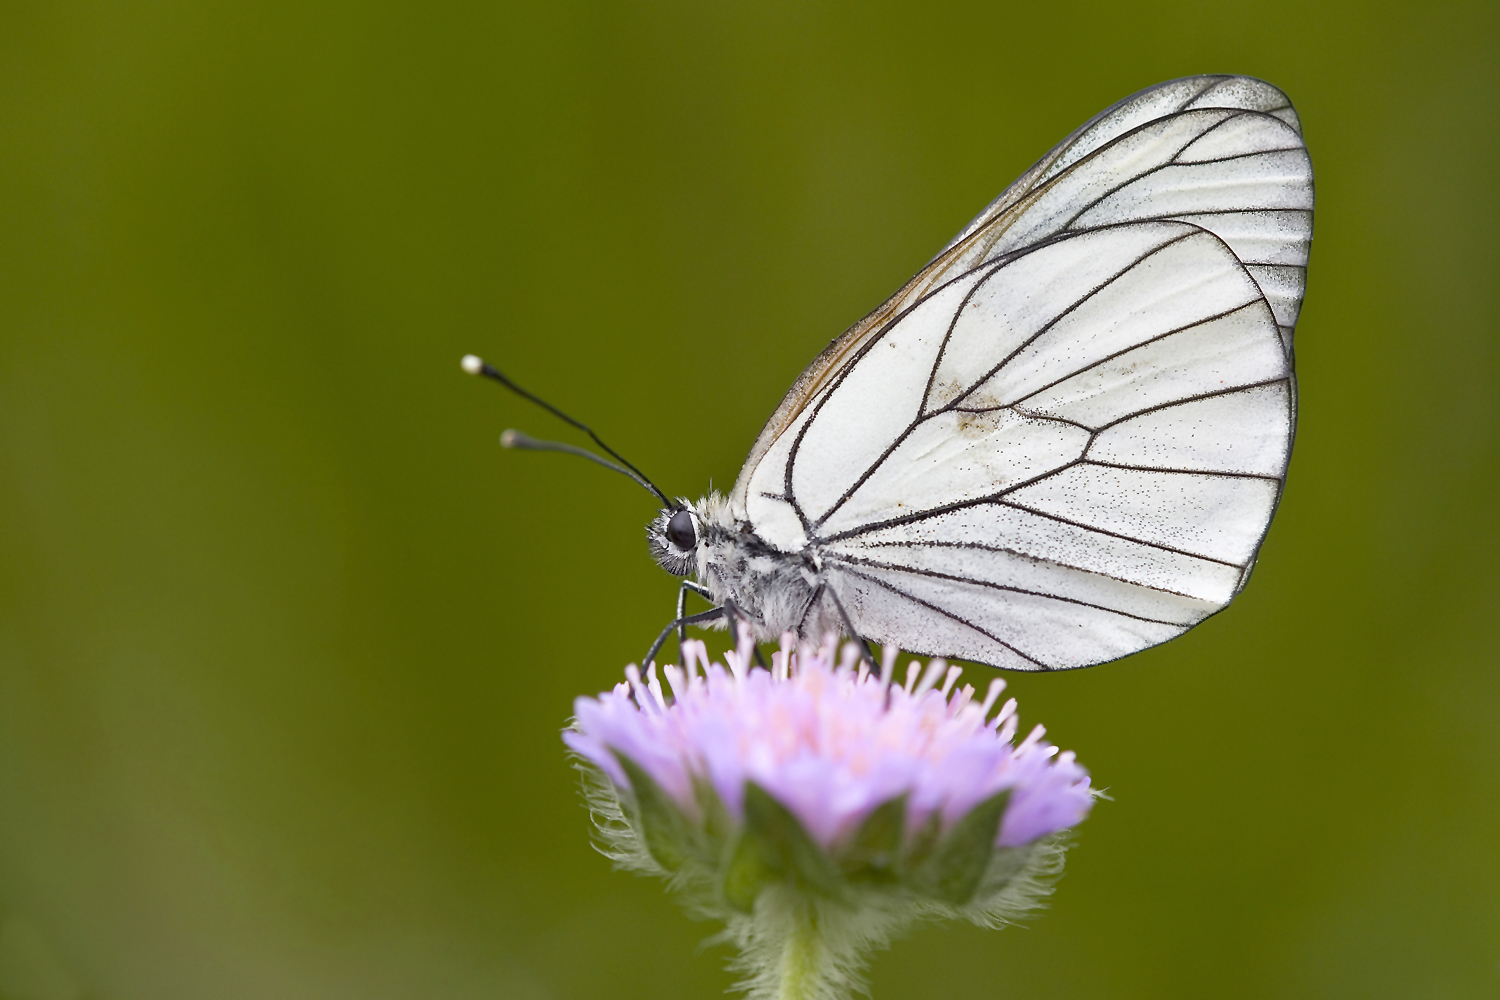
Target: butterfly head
[(673, 535)]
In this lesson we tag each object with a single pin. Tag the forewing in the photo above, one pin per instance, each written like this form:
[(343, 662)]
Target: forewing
[(1063, 441), (1237, 168)]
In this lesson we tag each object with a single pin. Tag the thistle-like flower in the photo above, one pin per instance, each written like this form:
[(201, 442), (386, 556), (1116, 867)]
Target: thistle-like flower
[(817, 808)]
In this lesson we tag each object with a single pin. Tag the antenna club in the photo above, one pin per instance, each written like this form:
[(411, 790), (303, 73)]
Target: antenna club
[(476, 365)]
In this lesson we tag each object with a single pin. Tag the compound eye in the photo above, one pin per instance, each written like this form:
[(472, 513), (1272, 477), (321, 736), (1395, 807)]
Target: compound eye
[(680, 531)]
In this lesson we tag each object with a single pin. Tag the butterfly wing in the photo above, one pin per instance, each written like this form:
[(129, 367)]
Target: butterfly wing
[(1269, 232), (1063, 441)]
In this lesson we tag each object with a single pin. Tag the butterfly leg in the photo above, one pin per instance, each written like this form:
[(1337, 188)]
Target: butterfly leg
[(734, 614), (864, 647), (703, 616), (682, 593)]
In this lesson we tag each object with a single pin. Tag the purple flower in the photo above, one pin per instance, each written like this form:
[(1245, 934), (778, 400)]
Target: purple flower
[(831, 743), (818, 809)]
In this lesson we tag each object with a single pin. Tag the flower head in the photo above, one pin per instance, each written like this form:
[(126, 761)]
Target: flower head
[(833, 743), (822, 787)]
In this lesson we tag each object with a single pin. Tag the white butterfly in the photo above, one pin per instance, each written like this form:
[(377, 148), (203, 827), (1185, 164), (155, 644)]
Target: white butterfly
[(1062, 442)]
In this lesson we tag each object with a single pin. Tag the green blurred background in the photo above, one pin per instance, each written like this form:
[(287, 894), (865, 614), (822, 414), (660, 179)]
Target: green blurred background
[(286, 640)]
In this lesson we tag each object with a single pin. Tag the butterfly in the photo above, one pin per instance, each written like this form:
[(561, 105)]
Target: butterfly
[(1061, 442)]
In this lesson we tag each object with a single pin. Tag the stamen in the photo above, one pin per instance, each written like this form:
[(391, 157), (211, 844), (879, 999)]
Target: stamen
[(738, 664), (1006, 711), (747, 645), (637, 690), (846, 657), (929, 677), (996, 686), (654, 686), (1032, 739)]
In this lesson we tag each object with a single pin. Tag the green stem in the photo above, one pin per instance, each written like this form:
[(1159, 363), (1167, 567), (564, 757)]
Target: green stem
[(804, 958), (799, 946)]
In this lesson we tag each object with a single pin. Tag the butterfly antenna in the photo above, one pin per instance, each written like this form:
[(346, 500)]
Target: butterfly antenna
[(475, 365), (512, 438)]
